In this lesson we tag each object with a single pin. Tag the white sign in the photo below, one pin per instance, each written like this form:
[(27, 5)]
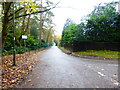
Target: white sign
[(119, 7), (24, 37)]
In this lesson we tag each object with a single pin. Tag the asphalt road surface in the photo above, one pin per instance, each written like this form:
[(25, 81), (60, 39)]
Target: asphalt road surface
[(56, 69)]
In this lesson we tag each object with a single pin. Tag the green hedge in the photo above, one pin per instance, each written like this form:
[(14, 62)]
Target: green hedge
[(21, 49)]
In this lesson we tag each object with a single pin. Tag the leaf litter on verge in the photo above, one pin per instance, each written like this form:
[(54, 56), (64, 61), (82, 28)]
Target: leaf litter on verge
[(12, 75)]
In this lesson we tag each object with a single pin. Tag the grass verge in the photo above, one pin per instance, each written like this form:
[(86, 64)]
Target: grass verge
[(101, 53), (61, 47)]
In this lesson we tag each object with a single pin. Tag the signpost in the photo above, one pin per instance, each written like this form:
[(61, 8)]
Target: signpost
[(14, 63), (24, 37)]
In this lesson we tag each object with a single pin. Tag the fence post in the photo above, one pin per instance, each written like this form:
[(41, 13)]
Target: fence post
[(14, 58)]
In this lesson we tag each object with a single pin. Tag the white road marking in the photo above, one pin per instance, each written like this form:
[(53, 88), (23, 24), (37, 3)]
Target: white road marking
[(102, 69), (89, 66), (113, 65), (116, 83), (100, 74), (115, 75), (97, 87)]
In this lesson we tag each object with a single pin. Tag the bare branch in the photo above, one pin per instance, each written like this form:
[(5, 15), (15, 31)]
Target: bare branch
[(16, 11), (35, 12)]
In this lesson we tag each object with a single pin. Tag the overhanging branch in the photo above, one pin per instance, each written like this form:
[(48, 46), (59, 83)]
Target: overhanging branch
[(16, 11), (33, 12)]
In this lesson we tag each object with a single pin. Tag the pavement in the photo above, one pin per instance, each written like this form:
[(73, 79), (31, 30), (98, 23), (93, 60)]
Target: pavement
[(56, 69)]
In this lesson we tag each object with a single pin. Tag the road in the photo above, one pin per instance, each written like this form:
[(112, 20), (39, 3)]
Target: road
[(56, 69)]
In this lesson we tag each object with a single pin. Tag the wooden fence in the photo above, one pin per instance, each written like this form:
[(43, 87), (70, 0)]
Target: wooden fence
[(94, 46)]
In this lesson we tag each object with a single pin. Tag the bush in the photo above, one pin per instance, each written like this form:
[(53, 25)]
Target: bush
[(20, 50), (5, 52)]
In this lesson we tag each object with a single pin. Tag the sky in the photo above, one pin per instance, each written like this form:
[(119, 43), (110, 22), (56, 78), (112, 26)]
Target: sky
[(74, 9)]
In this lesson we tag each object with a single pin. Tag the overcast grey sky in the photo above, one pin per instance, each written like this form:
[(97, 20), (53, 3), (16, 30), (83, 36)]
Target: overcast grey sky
[(74, 9)]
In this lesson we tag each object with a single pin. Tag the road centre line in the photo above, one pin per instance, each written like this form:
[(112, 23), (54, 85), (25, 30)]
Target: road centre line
[(100, 74)]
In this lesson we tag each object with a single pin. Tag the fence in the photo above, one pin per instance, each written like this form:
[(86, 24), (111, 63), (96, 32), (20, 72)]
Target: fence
[(94, 46), (21, 49)]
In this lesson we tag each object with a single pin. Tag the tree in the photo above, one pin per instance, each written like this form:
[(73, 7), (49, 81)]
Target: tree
[(101, 23), (68, 32), (34, 29), (57, 39), (79, 33), (32, 8)]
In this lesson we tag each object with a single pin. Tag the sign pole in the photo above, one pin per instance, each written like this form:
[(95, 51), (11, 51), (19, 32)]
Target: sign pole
[(24, 45), (14, 58), (24, 37), (24, 48)]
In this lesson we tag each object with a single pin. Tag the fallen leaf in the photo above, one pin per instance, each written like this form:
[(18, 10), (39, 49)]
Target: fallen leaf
[(29, 80)]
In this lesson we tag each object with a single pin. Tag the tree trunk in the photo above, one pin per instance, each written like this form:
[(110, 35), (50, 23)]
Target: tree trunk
[(23, 28), (28, 25), (6, 7), (40, 37), (48, 35), (4, 30)]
